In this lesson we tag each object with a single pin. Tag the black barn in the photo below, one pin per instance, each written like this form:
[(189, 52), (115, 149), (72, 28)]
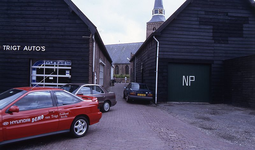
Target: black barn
[(240, 81), (49, 43), (192, 45)]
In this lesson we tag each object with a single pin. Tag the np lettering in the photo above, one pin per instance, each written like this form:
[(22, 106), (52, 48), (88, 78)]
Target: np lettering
[(187, 80)]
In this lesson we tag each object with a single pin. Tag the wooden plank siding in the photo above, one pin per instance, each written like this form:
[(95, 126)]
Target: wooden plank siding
[(146, 60), (49, 23), (239, 81), (202, 32)]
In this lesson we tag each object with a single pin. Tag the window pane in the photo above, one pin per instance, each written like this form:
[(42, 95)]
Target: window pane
[(96, 90), (101, 75), (70, 88), (35, 100), (127, 69), (50, 72), (9, 96), (64, 98), (116, 69), (135, 86), (85, 90)]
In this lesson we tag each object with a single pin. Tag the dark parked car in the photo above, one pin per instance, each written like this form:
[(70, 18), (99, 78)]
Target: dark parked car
[(106, 99), (28, 112), (137, 91)]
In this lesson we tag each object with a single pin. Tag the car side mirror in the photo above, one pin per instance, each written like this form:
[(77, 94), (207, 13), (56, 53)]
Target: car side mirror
[(14, 109)]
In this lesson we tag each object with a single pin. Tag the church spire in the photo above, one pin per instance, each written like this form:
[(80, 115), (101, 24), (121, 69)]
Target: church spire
[(158, 12), (158, 18)]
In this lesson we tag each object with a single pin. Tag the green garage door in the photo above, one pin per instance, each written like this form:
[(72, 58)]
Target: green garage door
[(189, 83)]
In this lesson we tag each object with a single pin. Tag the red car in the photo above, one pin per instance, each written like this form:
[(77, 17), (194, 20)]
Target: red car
[(34, 112)]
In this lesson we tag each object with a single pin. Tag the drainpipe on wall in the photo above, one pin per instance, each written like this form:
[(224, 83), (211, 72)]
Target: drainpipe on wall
[(94, 57), (156, 82)]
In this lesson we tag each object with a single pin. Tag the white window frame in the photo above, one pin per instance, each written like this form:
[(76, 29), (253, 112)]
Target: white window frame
[(58, 65), (101, 72)]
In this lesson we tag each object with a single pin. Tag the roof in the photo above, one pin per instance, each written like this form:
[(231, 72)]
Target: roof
[(91, 26), (36, 88), (158, 4), (158, 17), (81, 84), (120, 52), (168, 21)]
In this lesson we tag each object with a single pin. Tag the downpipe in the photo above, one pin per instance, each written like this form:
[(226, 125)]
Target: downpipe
[(156, 80)]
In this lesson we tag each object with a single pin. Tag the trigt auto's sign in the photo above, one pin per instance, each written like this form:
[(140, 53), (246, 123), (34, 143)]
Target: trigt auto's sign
[(22, 48)]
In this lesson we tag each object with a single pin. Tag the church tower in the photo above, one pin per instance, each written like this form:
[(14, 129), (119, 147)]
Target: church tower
[(158, 17)]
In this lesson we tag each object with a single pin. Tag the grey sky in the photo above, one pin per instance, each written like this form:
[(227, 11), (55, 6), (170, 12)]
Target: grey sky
[(123, 21)]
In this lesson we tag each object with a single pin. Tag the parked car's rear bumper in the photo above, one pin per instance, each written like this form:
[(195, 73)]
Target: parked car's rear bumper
[(114, 102), (142, 98)]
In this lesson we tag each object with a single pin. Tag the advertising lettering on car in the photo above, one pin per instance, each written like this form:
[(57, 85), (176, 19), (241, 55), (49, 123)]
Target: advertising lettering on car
[(64, 115), (26, 120), (35, 119), (15, 122)]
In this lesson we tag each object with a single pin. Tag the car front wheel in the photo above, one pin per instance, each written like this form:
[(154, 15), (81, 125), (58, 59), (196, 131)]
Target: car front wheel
[(79, 127)]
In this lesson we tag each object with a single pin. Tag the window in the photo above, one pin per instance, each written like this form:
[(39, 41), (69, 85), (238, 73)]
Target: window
[(85, 90), (117, 69), (155, 12), (126, 69), (35, 100), (96, 90), (70, 88), (135, 86), (129, 85), (64, 98), (50, 72), (9, 96), (101, 75), (160, 11)]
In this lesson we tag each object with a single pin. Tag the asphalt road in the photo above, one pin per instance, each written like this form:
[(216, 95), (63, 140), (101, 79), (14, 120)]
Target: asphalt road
[(134, 126)]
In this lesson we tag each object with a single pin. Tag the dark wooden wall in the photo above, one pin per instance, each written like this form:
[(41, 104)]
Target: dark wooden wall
[(205, 32), (145, 65), (240, 81), (48, 23)]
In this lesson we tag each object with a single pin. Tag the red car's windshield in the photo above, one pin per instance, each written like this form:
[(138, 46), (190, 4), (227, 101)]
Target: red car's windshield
[(9, 96)]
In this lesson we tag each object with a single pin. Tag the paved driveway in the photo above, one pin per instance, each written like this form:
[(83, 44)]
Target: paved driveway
[(135, 126), (231, 124)]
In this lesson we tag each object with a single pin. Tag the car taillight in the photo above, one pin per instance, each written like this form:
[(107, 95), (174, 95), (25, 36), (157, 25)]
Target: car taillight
[(93, 99), (150, 95), (132, 93)]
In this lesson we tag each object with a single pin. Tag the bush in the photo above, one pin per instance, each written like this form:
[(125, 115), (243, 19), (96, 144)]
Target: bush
[(121, 75)]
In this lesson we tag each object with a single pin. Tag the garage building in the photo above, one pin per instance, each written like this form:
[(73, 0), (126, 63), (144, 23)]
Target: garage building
[(49, 43), (182, 60)]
